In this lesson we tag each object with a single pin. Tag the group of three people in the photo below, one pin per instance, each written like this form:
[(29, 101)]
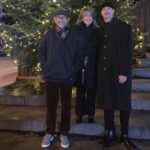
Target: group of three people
[(100, 60)]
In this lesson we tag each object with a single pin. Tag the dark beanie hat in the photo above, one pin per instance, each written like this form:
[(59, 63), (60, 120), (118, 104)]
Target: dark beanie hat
[(107, 4), (61, 12)]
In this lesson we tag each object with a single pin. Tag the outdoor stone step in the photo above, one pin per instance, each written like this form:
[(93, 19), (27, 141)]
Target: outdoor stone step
[(143, 63), (29, 100), (147, 45), (32, 100), (141, 85), (147, 55), (140, 101), (33, 119), (141, 73), (139, 126)]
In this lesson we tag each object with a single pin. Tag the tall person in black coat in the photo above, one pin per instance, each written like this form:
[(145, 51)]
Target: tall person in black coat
[(115, 74), (86, 86)]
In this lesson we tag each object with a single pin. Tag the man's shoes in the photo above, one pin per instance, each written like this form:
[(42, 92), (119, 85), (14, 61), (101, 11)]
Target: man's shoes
[(78, 119), (128, 143), (109, 139), (65, 142), (91, 119), (47, 140)]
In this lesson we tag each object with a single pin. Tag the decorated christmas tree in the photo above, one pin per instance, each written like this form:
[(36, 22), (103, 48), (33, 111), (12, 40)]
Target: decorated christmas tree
[(31, 18)]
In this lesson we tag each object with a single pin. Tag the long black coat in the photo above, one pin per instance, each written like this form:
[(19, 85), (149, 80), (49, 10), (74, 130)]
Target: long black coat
[(90, 35), (115, 58)]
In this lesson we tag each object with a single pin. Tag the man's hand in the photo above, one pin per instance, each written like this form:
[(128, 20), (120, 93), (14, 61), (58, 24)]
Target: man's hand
[(122, 79)]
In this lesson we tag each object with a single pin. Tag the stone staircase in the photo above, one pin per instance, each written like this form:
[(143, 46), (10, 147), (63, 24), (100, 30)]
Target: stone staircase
[(27, 113)]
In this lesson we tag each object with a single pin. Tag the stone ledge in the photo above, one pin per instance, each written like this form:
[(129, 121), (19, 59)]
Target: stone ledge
[(142, 85), (33, 119), (141, 73), (143, 62), (140, 101)]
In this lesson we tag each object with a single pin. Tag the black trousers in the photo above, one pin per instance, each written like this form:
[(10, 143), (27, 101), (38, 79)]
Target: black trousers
[(109, 120), (85, 101), (53, 92)]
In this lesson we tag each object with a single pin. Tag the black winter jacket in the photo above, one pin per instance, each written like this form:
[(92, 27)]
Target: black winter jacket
[(61, 59)]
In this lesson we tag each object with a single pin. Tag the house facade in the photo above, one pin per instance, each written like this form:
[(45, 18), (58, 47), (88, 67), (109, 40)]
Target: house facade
[(142, 12)]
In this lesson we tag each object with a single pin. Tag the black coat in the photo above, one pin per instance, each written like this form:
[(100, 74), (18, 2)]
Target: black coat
[(60, 58), (115, 58), (90, 35)]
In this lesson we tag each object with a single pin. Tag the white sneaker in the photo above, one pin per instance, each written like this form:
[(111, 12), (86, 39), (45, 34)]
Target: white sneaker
[(65, 142), (47, 140)]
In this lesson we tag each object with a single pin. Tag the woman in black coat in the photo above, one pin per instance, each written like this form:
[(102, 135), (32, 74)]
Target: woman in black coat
[(86, 86)]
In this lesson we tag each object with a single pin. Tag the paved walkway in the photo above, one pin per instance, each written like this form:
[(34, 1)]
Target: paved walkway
[(30, 141), (8, 71)]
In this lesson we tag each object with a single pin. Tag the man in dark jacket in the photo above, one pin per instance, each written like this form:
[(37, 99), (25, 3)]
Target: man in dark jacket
[(60, 56), (115, 73)]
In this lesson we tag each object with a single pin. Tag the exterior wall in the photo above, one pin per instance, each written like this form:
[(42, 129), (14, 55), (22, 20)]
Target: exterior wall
[(142, 11)]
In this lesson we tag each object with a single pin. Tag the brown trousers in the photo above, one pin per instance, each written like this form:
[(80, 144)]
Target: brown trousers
[(53, 92)]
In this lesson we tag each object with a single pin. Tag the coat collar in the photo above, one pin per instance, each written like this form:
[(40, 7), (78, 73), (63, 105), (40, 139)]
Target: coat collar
[(82, 25), (113, 22)]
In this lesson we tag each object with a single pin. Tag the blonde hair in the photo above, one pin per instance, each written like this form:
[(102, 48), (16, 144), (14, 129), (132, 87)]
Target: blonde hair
[(82, 13)]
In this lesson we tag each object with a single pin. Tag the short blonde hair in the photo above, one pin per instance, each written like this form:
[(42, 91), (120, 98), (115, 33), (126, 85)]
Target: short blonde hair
[(82, 13)]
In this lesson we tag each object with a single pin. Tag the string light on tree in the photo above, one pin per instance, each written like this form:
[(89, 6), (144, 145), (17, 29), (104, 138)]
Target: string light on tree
[(32, 20)]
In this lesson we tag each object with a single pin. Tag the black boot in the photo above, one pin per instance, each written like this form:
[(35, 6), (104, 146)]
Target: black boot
[(91, 119), (109, 139), (128, 143), (79, 119)]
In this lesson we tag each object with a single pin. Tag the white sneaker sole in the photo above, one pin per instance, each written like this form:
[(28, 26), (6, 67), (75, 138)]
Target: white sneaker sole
[(45, 146), (65, 146)]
